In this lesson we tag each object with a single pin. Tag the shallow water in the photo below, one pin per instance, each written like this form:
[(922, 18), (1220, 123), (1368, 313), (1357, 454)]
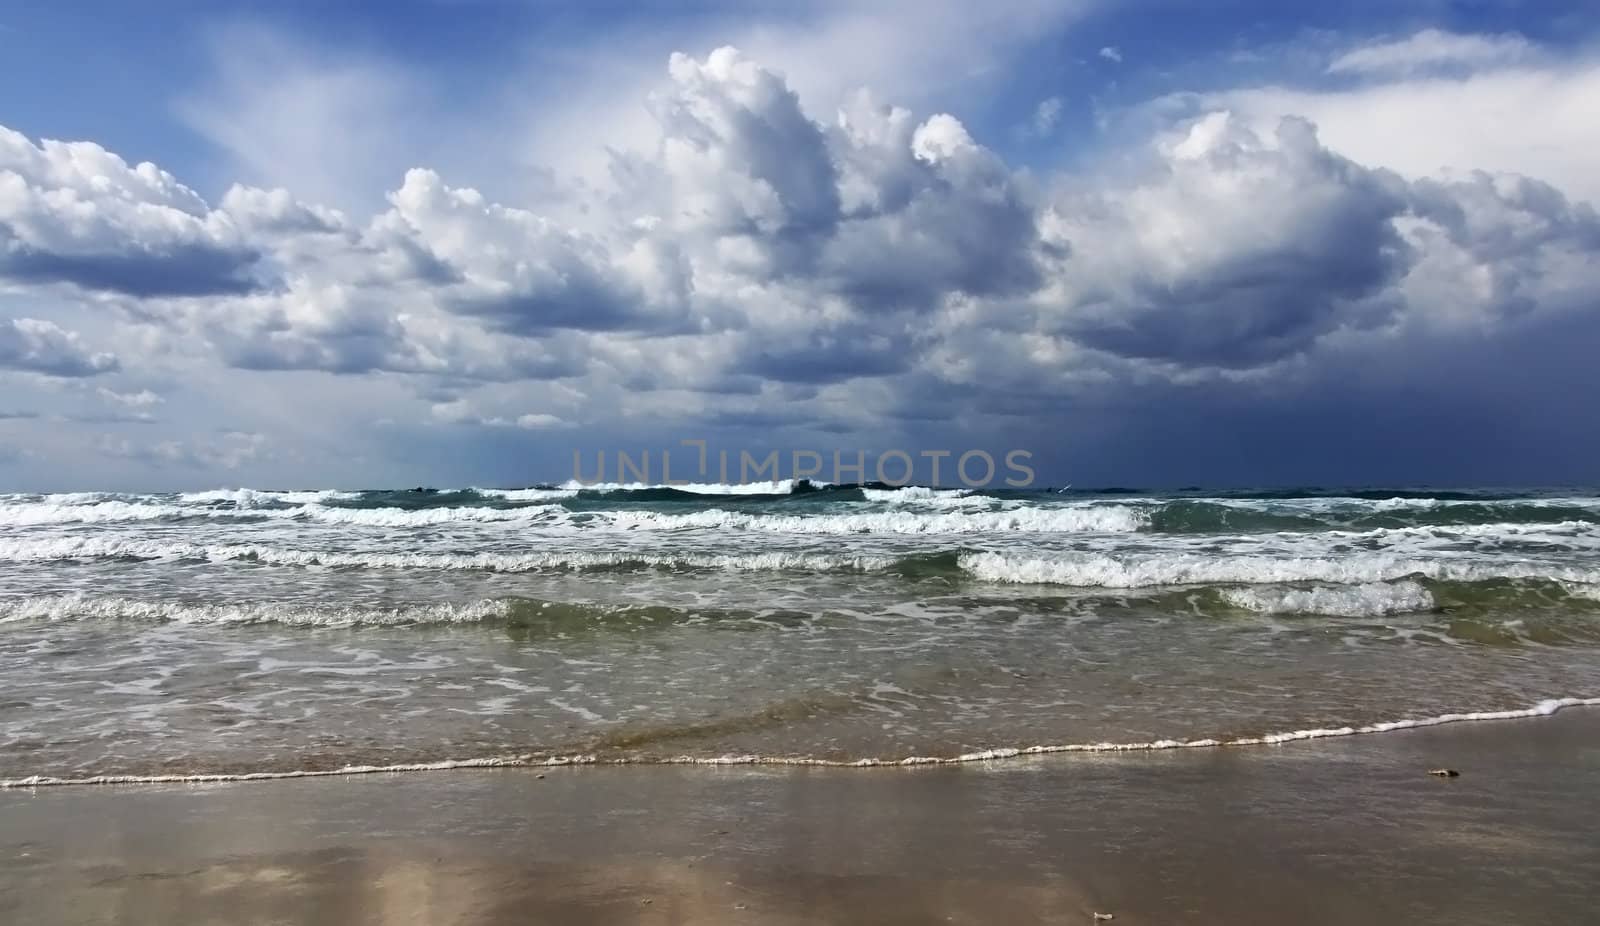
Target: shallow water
[(247, 632)]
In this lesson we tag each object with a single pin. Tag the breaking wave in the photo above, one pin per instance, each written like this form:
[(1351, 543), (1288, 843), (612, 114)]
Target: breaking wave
[(92, 548), (82, 607), (107, 512), (1377, 599), (1111, 519), (257, 498), (1096, 570), (806, 508)]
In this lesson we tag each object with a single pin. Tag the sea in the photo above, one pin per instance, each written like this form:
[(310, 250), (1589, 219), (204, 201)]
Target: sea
[(254, 634)]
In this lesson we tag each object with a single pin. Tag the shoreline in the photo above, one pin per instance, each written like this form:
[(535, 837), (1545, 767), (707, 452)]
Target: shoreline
[(1545, 708), (1345, 830)]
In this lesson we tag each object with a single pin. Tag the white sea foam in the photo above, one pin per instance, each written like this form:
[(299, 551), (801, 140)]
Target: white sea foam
[(398, 517), (923, 497), (527, 495), (35, 514), (55, 549), (255, 498), (40, 513), (1358, 582), (77, 498), (912, 510), (776, 487), (1588, 590), (1101, 570), (1373, 599), (81, 607), (1102, 519), (528, 760)]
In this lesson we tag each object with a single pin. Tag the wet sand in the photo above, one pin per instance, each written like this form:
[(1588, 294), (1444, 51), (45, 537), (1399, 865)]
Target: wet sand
[(1352, 830)]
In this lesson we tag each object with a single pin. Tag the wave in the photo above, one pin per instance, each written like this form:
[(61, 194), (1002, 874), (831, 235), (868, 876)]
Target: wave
[(783, 507), (527, 615), (421, 517), (1347, 585), (1543, 708), (106, 512), (63, 549), (65, 498), (921, 497), (776, 487), (1189, 516), (526, 495), (259, 498), (1097, 570), (81, 607), (35, 514), (1376, 599), (1042, 520), (1109, 519), (1492, 612)]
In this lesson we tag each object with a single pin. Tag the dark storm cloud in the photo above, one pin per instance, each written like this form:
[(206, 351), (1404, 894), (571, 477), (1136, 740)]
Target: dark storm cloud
[(1253, 308), (828, 357), (1222, 302), (1239, 251)]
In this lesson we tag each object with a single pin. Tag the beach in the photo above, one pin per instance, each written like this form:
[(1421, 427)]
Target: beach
[(796, 703), (1028, 461), (1347, 830)]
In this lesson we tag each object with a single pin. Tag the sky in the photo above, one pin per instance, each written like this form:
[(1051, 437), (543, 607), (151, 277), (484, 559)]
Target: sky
[(459, 242)]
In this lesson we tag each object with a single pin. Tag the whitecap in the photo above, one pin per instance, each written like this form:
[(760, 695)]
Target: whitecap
[(1372, 599), (82, 607), (1102, 519), (1099, 570), (775, 487)]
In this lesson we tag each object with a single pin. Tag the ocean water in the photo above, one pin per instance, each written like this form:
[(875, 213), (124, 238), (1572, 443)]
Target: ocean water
[(244, 632)]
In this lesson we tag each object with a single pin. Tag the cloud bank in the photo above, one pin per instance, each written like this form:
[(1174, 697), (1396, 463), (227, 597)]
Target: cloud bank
[(877, 271)]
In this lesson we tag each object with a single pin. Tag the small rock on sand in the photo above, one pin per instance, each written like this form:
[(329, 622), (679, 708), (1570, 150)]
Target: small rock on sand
[(1444, 772)]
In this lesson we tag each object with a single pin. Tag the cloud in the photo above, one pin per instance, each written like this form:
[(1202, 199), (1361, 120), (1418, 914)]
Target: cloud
[(1531, 117), (76, 213), (1111, 53), (540, 421), (1501, 251), (144, 398), (110, 418), (1433, 49), (229, 451), (517, 271), (744, 217), (1046, 116), (37, 346), (870, 271), (463, 412), (1236, 250), (934, 214)]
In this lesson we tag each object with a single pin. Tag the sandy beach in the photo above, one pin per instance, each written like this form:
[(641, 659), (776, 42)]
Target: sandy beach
[(1352, 831)]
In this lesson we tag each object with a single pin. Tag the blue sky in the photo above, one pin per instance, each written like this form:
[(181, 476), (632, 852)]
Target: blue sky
[(1153, 243)]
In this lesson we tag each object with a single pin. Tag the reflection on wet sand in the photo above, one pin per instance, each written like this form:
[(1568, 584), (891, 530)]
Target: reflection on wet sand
[(1334, 832), (381, 886)]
